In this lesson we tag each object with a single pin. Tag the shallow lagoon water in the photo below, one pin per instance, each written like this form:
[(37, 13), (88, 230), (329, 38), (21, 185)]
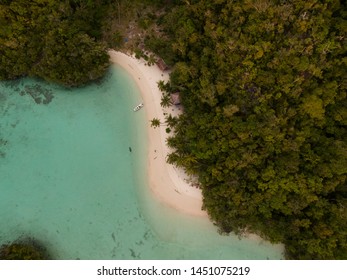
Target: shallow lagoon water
[(69, 179)]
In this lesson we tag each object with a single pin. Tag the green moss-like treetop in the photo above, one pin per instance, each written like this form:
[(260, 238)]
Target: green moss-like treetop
[(54, 40)]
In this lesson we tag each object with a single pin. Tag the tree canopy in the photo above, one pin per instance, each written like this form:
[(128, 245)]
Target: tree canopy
[(263, 85), (55, 40)]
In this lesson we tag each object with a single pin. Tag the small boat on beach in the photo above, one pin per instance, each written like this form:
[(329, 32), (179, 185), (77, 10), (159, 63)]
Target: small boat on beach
[(138, 107)]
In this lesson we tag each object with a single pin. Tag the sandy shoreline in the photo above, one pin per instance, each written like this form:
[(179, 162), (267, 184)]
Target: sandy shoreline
[(166, 181)]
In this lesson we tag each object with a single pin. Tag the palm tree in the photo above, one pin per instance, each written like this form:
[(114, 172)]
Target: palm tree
[(161, 85), (155, 122), (151, 60), (165, 101), (171, 121)]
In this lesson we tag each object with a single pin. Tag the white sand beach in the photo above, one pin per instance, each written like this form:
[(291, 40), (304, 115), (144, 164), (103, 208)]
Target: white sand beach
[(167, 182)]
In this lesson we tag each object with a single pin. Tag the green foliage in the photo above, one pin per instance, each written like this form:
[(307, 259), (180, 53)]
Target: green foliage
[(23, 250), (85, 61), (263, 86), (155, 122), (53, 40), (145, 22), (162, 47), (117, 40), (171, 121), (139, 53), (165, 100)]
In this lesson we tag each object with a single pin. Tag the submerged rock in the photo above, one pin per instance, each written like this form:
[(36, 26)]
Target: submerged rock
[(40, 94), (27, 249)]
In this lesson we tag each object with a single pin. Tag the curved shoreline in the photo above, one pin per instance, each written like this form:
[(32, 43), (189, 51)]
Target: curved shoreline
[(167, 182)]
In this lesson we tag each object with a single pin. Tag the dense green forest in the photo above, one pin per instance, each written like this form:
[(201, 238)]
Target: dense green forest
[(54, 40), (66, 41), (263, 85)]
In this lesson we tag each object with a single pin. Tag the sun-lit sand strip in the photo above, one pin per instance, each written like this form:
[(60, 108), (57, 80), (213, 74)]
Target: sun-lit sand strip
[(167, 182)]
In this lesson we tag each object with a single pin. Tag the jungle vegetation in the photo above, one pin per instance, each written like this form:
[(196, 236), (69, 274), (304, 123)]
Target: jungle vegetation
[(58, 41), (66, 41), (263, 85)]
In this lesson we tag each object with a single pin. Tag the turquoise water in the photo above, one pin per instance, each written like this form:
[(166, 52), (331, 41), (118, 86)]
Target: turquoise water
[(69, 179)]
